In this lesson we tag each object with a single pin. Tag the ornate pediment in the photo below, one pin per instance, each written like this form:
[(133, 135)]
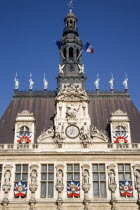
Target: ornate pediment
[(119, 112), (25, 112), (72, 92), (46, 134), (99, 134)]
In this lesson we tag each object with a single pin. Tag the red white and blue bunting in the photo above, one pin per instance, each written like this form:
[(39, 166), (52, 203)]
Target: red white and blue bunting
[(120, 138), (126, 189), (20, 189), (73, 189), (24, 139)]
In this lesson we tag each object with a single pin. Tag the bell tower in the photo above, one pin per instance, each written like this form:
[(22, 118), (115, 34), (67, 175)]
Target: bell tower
[(71, 69)]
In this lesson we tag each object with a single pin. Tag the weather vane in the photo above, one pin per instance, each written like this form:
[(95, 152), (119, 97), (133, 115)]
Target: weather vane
[(70, 5)]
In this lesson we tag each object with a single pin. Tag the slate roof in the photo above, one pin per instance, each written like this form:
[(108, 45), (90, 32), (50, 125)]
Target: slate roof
[(43, 107)]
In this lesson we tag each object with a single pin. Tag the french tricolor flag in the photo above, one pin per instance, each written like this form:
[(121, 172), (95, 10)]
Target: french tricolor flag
[(88, 48)]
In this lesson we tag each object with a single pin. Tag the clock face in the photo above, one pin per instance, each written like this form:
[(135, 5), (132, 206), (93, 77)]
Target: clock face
[(72, 131)]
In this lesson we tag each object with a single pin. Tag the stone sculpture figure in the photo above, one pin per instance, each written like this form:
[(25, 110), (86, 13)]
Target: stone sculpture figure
[(7, 177), (111, 82), (16, 83), (137, 174), (45, 84), (96, 83), (81, 67), (125, 83), (34, 177), (85, 177), (112, 176), (61, 69), (59, 177), (31, 83)]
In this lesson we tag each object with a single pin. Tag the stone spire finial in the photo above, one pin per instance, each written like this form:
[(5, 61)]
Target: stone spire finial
[(16, 82), (96, 83), (125, 82), (45, 82), (111, 82), (31, 83)]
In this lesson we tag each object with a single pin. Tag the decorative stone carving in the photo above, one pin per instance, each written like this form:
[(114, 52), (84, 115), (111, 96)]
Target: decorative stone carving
[(45, 83), (86, 186), (61, 68), (84, 133), (7, 177), (137, 180), (71, 91), (125, 83), (59, 185), (45, 134), (59, 134), (72, 111), (81, 68), (119, 112), (96, 83), (16, 82), (111, 82), (112, 185), (99, 134), (33, 186), (7, 185)]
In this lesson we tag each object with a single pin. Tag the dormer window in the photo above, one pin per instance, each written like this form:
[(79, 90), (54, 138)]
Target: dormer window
[(24, 128), (120, 127), (24, 131)]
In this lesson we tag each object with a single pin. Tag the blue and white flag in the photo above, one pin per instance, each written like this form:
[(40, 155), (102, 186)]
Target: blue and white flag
[(88, 48)]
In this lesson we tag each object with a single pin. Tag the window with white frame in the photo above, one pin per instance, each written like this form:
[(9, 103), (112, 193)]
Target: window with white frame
[(125, 179), (24, 130), (120, 131), (47, 180), (99, 180), (73, 174)]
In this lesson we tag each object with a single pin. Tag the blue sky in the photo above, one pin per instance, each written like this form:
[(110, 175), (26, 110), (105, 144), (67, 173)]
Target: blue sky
[(30, 28)]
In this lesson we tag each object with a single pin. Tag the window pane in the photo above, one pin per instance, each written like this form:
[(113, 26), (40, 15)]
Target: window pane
[(128, 176), (76, 176), (102, 176), (95, 167), (50, 190), (18, 168), (25, 168), (0, 176), (121, 176), (43, 190), (96, 189), (0, 168), (17, 177), (121, 167), (95, 176), (50, 168), (103, 189), (127, 167), (24, 177), (69, 167), (76, 167), (102, 167), (44, 176), (69, 176), (44, 168), (50, 176)]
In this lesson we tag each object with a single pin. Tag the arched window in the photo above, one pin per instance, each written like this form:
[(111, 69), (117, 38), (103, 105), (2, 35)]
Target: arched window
[(64, 52), (77, 53), (120, 131), (71, 52), (24, 130)]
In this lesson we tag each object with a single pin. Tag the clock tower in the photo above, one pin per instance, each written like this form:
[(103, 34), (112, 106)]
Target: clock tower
[(71, 69), (72, 122)]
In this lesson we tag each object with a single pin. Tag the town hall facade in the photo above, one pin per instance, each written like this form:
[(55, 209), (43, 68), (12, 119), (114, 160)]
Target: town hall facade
[(70, 148)]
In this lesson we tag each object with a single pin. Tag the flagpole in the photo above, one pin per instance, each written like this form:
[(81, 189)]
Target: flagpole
[(80, 54)]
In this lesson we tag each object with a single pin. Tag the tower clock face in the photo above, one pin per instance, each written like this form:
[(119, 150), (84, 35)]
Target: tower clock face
[(72, 131)]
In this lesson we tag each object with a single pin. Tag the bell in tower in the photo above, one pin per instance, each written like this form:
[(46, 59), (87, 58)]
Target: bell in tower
[(71, 69)]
